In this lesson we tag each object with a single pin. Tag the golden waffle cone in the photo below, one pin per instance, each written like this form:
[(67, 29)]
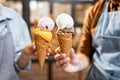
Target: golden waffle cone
[(65, 42), (41, 46)]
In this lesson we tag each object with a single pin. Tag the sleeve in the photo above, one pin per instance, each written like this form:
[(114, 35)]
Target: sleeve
[(85, 44), (17, 68), (22, 40), (27, 68), (89, 25)]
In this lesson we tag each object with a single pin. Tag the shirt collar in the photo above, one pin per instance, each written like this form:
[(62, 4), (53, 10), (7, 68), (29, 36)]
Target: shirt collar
[(115, 3), (4, 14)]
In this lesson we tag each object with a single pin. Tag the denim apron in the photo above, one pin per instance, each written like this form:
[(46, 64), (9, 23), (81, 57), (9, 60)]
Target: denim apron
[(106, 41), (7, 69)]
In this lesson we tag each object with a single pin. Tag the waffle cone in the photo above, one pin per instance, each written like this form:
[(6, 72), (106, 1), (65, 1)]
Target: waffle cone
[(41, 46), (65, 42)]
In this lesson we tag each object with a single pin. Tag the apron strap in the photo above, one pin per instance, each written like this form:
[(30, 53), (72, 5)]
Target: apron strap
[(98, 13), (105, 9), (7, 25)]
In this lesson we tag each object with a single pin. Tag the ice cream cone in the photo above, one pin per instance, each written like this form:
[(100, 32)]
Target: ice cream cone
[(41, 46), (42, 37), (65, 42), (65, 31)]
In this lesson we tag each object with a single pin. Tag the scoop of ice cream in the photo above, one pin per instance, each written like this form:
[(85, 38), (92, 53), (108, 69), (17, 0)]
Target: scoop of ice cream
[(64, 21), (46, 23), (69, 30), (47, 35)]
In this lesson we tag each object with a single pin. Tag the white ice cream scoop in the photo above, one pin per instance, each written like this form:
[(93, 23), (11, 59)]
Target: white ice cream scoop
[(64, 21), (46, 23)]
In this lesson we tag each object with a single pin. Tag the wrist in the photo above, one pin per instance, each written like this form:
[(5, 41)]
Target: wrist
[(23, 61), (83, 62), (71, 68)]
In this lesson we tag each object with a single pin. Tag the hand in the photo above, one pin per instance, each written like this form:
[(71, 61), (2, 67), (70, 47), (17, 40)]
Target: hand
[(48, 51), (68, 64), (30, 50), (28, 54)]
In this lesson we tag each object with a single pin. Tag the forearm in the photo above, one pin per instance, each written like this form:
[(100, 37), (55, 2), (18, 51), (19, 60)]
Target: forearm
[(22, 61), (27, 54)]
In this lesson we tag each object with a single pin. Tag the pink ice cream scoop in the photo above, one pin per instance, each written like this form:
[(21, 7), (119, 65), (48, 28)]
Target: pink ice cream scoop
[(46, 23)]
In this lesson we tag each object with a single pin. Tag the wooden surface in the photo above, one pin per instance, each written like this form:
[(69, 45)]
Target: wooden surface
[(57, 74)]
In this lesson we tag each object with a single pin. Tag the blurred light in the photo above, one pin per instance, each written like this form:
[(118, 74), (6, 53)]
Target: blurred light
[(33, 5), (41, 5)]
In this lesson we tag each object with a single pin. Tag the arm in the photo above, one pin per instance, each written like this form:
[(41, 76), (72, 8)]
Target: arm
[(81, 60), (28, 53), (24, 49)]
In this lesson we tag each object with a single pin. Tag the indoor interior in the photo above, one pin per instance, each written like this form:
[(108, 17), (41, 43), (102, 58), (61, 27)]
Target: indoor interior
[(32, 11)]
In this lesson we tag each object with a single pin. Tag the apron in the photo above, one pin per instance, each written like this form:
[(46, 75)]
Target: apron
[(106, 41), (7, 69)]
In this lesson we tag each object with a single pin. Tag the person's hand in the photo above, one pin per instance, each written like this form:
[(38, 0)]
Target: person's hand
[(48, 51), (68, 64), (29, 53), (30, 50)]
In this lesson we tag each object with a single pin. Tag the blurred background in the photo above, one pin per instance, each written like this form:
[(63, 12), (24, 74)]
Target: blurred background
[(32, 11)]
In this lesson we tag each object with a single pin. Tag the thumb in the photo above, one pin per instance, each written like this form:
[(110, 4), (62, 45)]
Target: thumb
[(31, 46), (72, 54)]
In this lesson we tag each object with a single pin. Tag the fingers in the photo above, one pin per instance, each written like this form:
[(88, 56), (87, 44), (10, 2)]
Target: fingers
[(62, 60), (63, 66), (57, 50), (59, 56), (48, 51), (32, 57), (30, 49), (47, 55)]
